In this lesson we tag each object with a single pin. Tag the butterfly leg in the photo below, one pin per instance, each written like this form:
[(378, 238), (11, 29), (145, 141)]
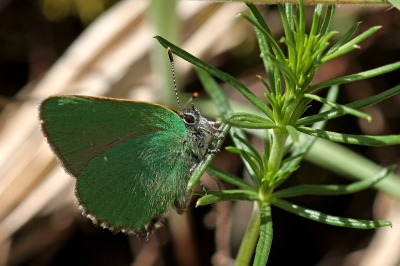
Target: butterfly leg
[(215, 135), (214, 125), (192, 168), (150, 227), (213, 150), (215, 181), (203, 187)]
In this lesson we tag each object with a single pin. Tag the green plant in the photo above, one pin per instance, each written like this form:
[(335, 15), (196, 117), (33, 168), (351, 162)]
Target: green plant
[(289, 93)]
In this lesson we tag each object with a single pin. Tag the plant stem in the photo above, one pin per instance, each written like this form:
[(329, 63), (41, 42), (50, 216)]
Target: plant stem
[(249, 241), (275, 159)]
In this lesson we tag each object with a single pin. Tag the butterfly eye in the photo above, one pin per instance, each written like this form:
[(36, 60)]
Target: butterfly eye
[(189, 118)]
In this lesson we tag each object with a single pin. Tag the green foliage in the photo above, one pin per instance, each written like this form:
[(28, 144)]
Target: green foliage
[(288, 87)]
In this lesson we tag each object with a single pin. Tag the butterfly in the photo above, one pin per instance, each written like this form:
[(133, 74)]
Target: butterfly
[(132, 160)]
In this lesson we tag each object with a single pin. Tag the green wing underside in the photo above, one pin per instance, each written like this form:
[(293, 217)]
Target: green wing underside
[(129, 187), (79, 128), (131, 159)]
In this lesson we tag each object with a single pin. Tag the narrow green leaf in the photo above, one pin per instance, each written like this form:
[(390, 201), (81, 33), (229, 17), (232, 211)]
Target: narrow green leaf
[(329, 219), (339, 52), (237, 132), (219, 74), (251, 149), (298, 38), (285, 23), (362, 36), (293, 133), (326, 25), (334, 189), (267, 144), (247, 120), (263, 44), (301, 30), (275, 47), (278, 86), (207, 160), (265, 157), (249, 125), (344, 38), (300, 108), (355, 77), (292, 62), (226, 195), (283, 174), (395, 3), (320, 47), (214, 91), (228, 177), (288, 146), (272, 100), (288, 101), (316, 19), (323, 42), (251, 160), (352, 139), (283, 68), (294, 157), (307, 142), (341, 160), (243, 116), (266, 234), (289, 9), (354, 105), (250, 238), (269, 89), (218, 97), (234, 150), (254, 160), (343, 108), (257, 15)]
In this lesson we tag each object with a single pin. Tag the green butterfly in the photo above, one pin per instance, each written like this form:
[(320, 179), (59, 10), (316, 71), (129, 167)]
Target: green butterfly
[(132, 160)]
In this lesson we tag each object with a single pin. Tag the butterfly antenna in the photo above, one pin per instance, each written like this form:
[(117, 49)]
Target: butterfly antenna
[(171, 60), (194, 96)]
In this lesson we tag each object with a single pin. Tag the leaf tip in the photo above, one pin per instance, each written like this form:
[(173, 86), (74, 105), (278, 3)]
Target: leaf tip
[(240, 14)]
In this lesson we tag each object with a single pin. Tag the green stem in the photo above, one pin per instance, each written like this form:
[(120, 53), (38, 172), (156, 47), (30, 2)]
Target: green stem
[(275, 159), (249, 241)]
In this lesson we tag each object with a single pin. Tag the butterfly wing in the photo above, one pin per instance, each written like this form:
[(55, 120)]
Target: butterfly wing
[(131, 159)]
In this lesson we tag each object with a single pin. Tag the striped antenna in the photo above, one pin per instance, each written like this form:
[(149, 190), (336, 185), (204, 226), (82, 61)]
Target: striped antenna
[(194, 96), (173, 76)]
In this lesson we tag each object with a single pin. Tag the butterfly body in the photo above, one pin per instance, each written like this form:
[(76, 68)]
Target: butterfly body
[(132, 160)]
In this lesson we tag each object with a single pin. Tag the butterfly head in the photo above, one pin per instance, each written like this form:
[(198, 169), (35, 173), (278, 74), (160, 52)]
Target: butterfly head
[(191, 117)]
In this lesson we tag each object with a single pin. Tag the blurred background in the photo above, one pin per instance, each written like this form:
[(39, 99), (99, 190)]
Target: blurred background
[(106, 47)]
